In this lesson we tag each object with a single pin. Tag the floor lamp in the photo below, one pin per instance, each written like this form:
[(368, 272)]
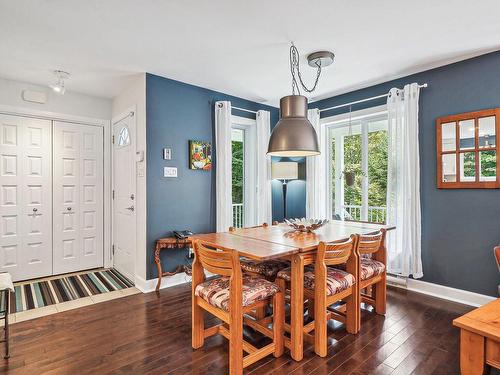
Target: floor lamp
[(285, 171)]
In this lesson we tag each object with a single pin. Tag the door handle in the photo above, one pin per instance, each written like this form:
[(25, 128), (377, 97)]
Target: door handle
[(131, 208)]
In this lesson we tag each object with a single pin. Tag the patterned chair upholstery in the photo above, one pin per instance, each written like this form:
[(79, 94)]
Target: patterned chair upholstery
[(336, 280), (371, 268), (269, 269), (216, 291)]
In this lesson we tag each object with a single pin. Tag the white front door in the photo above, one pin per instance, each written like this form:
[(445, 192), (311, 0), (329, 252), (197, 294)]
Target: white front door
[(78, 197), (124, 192), (25, 197)]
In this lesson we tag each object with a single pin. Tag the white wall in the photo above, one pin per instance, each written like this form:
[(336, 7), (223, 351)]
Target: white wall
[(69, 104), (135, 95)]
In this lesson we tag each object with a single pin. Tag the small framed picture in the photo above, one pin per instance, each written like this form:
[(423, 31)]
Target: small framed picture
[(200, 155)]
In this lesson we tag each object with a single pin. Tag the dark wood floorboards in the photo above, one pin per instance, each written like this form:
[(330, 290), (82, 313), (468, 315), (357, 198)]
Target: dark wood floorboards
[(151, 334)]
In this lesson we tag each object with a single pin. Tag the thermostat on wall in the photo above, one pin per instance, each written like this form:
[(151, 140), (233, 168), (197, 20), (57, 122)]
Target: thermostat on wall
[(170, 172)]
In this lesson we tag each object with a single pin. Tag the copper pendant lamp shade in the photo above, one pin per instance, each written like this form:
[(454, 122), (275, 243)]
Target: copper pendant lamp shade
[(293, 135)]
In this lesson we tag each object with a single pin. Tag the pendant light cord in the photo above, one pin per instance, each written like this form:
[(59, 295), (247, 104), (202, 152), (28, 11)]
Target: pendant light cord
[(295, 71)]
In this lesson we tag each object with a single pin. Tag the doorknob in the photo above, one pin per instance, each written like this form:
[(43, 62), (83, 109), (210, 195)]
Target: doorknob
[(35, 209), (131, 208), (68, 208)]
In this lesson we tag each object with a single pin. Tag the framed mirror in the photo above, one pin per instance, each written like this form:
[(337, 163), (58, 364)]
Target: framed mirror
[(467, 150)]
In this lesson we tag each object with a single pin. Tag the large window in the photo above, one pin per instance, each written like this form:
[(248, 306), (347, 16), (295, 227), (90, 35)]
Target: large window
[(358, 165), (243, 171)]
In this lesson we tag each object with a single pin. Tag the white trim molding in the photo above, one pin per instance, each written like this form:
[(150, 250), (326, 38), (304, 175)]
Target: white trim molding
[(440, 291), (146, 286)]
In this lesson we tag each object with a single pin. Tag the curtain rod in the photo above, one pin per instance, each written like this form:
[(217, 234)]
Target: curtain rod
[(363, 100), (244, 110)]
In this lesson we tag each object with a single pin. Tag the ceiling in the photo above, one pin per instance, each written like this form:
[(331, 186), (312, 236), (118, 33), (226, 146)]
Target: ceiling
[(238, 47)]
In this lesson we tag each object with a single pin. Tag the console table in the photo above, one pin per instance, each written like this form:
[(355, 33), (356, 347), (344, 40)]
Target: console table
[(170, 243), (479, 339)]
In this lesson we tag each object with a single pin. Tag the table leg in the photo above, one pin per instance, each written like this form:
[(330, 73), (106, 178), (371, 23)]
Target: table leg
[(297, 307), (158, 267), (472, 353)]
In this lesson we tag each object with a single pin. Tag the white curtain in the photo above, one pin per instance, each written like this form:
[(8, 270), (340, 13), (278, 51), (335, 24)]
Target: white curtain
[(316, 174), (263, 161), (223, 172), (403, 183)]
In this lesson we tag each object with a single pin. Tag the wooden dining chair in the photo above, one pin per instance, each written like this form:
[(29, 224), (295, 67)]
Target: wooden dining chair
[(326, 285), (268, 268), (372, 263), (229, 297)]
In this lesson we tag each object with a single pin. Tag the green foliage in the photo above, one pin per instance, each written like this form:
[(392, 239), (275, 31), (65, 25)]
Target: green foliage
[(237, 171), (488, 163)]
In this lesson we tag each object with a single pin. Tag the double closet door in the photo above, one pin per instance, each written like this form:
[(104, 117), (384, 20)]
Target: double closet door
[(51, 197)]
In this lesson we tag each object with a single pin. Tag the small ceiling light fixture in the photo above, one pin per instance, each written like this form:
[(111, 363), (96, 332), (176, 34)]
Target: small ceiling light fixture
[(294, 135), (59, 86)]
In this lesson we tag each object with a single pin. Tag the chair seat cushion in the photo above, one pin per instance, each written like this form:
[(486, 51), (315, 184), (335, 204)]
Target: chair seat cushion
[(269, 268), (216, 291), (336, 280), (371, 268)]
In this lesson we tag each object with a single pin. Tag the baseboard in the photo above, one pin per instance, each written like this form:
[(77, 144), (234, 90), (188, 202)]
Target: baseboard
[(440, 291), (147, 286)]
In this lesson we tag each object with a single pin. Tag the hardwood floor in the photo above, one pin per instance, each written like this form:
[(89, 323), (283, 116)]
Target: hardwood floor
[(150, 334)]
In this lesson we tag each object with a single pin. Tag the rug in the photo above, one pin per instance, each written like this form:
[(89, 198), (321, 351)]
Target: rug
[(42, 293)]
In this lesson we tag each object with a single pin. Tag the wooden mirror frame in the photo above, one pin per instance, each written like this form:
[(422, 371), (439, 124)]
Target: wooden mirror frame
[(476, 184)]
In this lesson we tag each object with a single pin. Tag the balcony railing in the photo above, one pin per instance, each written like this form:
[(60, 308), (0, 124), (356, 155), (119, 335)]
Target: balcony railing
[(376, 214), (238, 215)]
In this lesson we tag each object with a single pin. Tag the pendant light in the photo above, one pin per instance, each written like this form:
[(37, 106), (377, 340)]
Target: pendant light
[(294, 135)]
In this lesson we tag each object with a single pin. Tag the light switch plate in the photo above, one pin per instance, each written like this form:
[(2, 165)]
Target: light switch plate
[(167, 153), (170, 172)]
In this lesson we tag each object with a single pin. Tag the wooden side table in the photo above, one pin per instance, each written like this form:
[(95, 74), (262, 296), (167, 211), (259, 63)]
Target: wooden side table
[(480, 339), (170, 243)]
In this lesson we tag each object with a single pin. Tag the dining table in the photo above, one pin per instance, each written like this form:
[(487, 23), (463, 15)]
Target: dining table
[(280, 241)]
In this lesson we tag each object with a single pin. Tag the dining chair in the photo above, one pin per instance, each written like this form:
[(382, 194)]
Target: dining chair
[(268, 268), (230, 297), (497, 257), (372, 261), (327, 285)]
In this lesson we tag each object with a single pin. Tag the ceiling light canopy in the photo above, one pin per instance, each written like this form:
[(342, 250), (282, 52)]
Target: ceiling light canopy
[(294, 135), (59, 87)]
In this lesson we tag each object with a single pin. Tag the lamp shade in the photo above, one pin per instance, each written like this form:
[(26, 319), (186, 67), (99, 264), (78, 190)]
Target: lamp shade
[(293, 135), (285, 170)]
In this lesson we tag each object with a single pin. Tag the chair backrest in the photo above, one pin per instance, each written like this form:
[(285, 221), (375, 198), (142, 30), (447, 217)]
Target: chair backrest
[(337, 252), (497, 256), (217, 260), (371, 243)]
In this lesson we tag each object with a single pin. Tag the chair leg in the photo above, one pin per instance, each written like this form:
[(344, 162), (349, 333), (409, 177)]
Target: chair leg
[(310, 308), (381, 296), (236, 343), (320, 326), (260, 312), (278, 323), (197, 326), (352, 309)]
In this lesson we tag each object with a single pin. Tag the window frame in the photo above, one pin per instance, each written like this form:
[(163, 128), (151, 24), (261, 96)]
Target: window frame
[(460, 184), (339, 121), (249, 127)]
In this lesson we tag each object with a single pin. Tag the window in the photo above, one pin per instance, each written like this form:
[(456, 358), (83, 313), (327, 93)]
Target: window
[(357, 165), (467, 150), (123, 137), (243, 171)]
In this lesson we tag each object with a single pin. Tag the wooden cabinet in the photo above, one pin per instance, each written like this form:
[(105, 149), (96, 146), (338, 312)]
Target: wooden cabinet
[(468, 150)]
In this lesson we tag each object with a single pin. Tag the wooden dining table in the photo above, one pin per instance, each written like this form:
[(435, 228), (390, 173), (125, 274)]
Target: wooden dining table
[(281, 242)]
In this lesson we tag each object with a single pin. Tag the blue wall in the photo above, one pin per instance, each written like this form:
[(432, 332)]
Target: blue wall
[(459, 227), (176, 113)]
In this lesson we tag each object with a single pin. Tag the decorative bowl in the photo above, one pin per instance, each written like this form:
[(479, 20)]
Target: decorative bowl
[(306, 225)]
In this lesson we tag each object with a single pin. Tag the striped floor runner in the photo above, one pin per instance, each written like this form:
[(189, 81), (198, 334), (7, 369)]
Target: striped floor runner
[(66, 288)]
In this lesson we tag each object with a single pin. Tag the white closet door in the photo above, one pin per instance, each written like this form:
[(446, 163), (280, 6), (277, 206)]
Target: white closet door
[(25, 197), (78, 197)]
